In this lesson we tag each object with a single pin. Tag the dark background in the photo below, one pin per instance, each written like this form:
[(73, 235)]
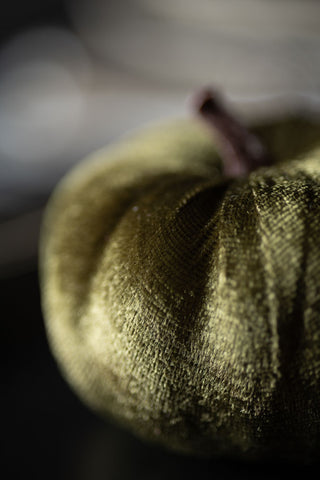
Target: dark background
[(18, 15), (46, 431)]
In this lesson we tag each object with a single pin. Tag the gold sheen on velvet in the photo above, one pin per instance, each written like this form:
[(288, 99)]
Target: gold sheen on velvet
[(185, 305)]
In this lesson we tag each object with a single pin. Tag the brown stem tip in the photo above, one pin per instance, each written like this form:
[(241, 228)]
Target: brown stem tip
[(241, 151)]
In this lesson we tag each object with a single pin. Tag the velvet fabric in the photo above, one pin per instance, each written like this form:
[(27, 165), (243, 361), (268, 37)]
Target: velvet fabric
[(185, 305)]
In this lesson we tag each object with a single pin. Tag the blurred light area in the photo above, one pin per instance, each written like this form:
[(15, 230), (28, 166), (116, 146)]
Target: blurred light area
[(41, 100), (40, 107), (247, 47), (293, 18)]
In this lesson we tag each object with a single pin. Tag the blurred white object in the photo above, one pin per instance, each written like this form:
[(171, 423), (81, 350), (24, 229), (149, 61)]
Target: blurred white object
[(249, 48), (269, 20), (41, 99)]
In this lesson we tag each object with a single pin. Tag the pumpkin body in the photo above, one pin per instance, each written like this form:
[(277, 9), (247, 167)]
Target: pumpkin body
[(184, 305)]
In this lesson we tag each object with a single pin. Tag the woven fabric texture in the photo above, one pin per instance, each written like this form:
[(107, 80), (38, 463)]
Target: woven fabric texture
[(187, 306)]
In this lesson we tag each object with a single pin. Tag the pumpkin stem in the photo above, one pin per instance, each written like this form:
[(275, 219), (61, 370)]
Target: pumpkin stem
[(242, 152)]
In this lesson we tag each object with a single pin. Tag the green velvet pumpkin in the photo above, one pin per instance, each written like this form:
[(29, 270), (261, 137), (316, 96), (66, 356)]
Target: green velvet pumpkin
[(186, 305)]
